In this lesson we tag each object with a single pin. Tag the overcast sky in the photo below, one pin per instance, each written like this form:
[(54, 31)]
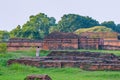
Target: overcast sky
[(17, 12)]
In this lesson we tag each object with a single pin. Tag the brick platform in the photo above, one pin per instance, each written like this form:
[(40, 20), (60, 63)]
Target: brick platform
[(83, 60)]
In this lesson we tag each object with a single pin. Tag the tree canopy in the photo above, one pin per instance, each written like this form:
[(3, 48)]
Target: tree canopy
[(4, 35), (40, 25), (36, 28), (72, 22)]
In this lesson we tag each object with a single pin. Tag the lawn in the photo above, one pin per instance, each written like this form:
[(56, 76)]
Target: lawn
[(19, 72)]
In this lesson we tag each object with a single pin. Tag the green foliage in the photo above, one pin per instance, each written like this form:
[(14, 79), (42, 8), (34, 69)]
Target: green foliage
[(53, 29), (44, 52), (22, 68), (94, 29), (72, 22), (37, 27), (117, 29), (3, 47), (4, 36), (17, 32), (112, 25)]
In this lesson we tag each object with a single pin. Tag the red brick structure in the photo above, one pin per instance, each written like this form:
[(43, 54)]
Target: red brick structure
[(83, 60), (111, 45), (89, 43), (22, 44), (63, 41), (60, 41), (38, 77), (108, 40)]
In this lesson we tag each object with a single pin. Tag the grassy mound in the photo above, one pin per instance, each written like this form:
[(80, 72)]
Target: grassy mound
[(94, 29)]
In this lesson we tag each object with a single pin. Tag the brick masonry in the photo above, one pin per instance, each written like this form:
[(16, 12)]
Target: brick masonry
[(84, 60), (37, 77), (70, 41), (22, 44)]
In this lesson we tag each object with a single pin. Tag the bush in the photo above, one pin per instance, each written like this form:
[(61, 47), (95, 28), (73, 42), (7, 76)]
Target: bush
[(3, 47)]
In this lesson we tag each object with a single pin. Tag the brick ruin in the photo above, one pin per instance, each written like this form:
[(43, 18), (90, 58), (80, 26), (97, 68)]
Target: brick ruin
[(89, 43), (111, 44), (85, 60), (109, 39), (60, 41), (37, 77), (63, 41), (22, 44)]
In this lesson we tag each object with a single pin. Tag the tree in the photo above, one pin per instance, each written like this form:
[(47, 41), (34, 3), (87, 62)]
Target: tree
[(38, 26), (4, 36), (109, 24), (17, 32), (117, 29), (72, 22), (53, 29)]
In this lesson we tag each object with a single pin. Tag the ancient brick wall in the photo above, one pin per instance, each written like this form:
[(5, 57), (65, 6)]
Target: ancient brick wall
[(63, 41), (22, 44), (111, 45), (100, 67), (38, 77), (60, 44), (90, 43), (83, 60), (112, 42), (60, 41)]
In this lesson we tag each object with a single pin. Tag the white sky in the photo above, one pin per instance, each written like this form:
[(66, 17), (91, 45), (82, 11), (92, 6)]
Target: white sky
[(17, 12)]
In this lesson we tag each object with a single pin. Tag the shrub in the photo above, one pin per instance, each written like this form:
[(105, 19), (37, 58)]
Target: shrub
[(3, 47)]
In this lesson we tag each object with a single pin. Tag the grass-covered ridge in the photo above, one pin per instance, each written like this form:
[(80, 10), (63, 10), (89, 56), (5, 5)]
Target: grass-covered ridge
[(19, 72), (94, 29)]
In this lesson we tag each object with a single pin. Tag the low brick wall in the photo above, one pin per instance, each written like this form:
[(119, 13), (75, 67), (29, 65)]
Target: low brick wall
[(83, 60), (110, 47), (22, 44), (95, 67), (38, 77)]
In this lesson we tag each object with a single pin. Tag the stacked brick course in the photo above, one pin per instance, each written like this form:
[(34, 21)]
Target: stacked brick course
[(63, 41), (22, 44), (83, 60), (60, 41)]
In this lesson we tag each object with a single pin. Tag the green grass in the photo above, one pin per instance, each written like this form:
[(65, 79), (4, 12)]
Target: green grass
[(116, 52), (93, 29), (19, 72)]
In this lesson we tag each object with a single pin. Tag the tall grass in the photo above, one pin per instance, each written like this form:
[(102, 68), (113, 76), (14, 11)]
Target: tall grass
[(19, 72)]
